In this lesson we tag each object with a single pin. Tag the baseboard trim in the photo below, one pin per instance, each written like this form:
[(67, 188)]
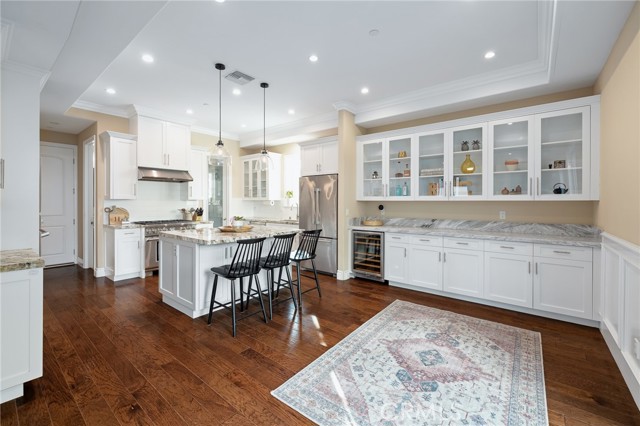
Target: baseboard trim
[(627, 373), (99, 272), (343, 275)]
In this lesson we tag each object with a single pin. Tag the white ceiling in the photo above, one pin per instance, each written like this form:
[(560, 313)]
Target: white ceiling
[(428, 58)]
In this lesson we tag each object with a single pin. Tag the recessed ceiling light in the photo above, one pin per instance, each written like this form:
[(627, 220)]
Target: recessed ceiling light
[(292, 111), (490, 54), (364, 90), (147, 58), (313, 58), (243, 125), (374, 32), (110, 90), (237, 92), (189, 111), (219, 1)]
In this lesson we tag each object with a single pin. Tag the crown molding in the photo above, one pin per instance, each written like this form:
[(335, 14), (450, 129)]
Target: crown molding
[(156, 113), (28, 70), (102, 109), (345, 105), (214, 132)]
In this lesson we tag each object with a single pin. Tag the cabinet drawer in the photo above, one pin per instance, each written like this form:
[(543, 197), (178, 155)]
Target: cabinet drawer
[(563, 252), (464, 243), (397, 238), (426, 240), (509, 247)]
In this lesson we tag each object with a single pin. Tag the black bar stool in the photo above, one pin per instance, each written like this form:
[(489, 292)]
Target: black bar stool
[(306, 251), (278, 258), (245, 263)]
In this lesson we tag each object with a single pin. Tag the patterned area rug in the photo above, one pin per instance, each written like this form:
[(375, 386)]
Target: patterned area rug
[(415, 365)]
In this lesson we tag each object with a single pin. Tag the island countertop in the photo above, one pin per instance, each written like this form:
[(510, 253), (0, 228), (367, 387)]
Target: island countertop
[(18, 260), (213, 236)]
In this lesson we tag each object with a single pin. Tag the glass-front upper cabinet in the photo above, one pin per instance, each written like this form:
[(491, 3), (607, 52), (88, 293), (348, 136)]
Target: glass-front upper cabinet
[(468, 161), (372, 176), (399, 167), (511, 159), (563, 160), (430, 159)]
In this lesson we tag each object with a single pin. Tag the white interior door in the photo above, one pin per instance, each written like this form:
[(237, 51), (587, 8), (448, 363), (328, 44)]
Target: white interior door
[(57, 203), (89, 203)]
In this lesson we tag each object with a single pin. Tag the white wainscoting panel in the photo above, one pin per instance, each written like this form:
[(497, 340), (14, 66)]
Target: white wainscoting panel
[(619, 307)]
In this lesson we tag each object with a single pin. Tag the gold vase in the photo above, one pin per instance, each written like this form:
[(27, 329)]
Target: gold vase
[(468, 166)]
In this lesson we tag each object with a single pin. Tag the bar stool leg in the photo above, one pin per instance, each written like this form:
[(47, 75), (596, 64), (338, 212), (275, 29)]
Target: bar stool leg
[(270, 291), (264, 313), (315, 275), (233, 305), (299, 284), (293, 296), (213, 295)]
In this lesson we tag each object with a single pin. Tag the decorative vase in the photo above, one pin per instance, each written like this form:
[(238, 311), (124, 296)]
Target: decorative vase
[(468, 166)]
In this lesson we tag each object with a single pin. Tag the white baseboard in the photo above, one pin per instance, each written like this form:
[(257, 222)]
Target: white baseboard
[(80, 262), (620, 292), (99, 272), (343, 275)]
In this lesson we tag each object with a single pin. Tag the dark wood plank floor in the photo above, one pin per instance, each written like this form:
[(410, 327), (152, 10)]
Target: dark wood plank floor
[(118, 355)]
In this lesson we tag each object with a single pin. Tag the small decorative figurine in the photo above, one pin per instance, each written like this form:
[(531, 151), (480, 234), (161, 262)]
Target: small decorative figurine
[(475, 145), (464, 146), (504, 191)]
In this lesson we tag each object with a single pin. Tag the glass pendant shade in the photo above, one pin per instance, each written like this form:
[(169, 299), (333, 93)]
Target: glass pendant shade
[(264, 162), (219, 153)]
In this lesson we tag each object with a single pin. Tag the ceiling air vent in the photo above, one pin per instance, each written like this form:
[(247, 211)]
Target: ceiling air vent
[(239, 78)]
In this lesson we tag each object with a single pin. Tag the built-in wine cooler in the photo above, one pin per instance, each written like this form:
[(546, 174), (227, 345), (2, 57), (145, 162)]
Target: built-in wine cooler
[(368, 255)]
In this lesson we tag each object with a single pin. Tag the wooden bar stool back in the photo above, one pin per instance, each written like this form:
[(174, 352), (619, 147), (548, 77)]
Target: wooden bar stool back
[(245, 263), (306, 251), (278, 258)]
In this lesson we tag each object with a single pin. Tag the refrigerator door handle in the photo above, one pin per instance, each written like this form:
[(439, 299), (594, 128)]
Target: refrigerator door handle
[(317, 212)]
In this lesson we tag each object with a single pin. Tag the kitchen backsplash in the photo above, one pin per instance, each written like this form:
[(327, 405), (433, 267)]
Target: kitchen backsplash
[(157, 201)]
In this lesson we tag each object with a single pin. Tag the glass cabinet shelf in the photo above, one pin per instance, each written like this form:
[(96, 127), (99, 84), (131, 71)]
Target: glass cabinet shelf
[(569, 141), (500, 148)]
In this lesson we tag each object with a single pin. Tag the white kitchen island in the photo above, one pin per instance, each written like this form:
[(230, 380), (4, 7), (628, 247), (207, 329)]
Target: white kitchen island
[(186, 259)]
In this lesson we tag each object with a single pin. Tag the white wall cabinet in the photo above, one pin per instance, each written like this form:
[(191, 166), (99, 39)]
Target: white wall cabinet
[(161, 144), (264, 184), (463, 266), (199, 170), (121, 168), (124, 253), (563, 280), (547, 152), (21, 299), (319, 158), (508, 274)]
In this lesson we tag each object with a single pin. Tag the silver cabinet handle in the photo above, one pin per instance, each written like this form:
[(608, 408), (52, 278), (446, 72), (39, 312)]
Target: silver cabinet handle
[(450, 190), (529, 268), (538, 186), (507, 247), (439, 256), (405, 252), (444, 257), (536, 268), (396, 238), (1, 173), (562, 252), (462, 244), (425, 241), (134, 190), (530, 191)]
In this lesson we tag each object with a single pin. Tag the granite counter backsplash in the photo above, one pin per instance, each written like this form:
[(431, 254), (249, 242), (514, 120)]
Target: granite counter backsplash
[(569, 234), (18, 260)]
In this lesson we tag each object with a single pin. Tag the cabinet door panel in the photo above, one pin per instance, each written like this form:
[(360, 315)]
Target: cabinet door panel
[(329, 154), (564, 287), (150, 143), (177, 146), (463, 272), (185, 278), (395, 262), (509, 279), (309, 160), (426, 267), (167, 268), (127, 255)]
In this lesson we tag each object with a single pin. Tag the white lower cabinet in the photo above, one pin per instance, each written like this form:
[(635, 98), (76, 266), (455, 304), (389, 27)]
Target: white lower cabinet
[(21, 301), (463, 266), (544, 277), (123, 253), (177, 270), (508, 276), (563, 283)]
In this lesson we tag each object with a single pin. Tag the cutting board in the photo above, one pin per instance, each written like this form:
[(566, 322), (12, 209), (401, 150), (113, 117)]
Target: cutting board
[(118, 215)]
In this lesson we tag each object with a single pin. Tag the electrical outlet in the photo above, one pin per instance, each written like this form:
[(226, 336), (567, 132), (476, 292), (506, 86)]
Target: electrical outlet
[(503, 215), (636, 348)]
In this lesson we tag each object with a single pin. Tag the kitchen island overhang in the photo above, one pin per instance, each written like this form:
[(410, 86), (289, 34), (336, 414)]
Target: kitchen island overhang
[(186, 259)]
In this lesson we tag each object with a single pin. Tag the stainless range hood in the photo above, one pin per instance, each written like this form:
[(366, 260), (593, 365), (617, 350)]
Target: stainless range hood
[(163, 175)]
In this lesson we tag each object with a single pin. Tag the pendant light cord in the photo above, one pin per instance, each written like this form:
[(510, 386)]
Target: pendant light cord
[(264, 116), (220, 104)]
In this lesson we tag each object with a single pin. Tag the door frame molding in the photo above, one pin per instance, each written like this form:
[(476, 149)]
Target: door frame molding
[(88, 166), (74, 148)]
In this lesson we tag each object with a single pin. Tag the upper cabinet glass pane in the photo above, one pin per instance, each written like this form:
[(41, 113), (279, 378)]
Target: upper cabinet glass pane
[(561, 148), (511, 158), (431, 171), (468, 151), (372, 169), (400, 167)]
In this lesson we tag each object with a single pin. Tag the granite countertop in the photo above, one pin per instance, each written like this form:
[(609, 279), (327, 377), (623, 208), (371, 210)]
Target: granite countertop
[(123, 226), (264, 221), (557, 234), (18, 260), (213, 236)]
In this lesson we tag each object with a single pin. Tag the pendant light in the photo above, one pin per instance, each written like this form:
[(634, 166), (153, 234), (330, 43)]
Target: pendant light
[(219, 153), (264, 162)]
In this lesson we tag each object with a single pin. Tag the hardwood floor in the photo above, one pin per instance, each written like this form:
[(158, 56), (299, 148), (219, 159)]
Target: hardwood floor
[(118, 355)]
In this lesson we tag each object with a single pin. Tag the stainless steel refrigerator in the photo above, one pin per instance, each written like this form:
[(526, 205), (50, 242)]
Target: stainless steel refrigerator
[(319, 210)]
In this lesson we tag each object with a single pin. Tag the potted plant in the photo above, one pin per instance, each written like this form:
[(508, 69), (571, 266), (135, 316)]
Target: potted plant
[(238, 221)]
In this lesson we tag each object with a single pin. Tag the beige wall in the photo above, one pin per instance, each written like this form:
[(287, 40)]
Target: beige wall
[(347, 205), (618, 212), (58, 137)]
